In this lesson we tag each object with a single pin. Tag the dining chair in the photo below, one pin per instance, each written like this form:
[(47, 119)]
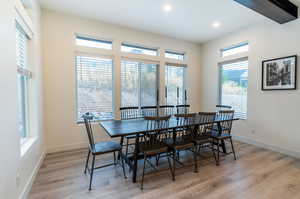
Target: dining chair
[(202, 137), (128, 113), (99, 148), (182, 109), (182, 139), (223, 133), (151, 143), (166, 110), (149, 111)]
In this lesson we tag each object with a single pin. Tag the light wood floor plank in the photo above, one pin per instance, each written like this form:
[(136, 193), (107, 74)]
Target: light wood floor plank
[(258, 173)]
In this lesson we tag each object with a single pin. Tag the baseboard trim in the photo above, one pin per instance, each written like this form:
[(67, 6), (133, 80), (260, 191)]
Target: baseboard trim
[(28, 185), (69, 147), (295, 154)]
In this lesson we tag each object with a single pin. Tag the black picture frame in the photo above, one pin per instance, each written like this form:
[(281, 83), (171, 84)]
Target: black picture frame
[(293, 74)]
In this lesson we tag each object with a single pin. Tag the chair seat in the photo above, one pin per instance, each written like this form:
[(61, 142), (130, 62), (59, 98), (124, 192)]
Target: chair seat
[(153, 149), (215, 134), (106, 147), (202, 139), (180, 144)]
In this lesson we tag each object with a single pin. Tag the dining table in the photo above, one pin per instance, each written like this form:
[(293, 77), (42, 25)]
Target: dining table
[(123, 128)]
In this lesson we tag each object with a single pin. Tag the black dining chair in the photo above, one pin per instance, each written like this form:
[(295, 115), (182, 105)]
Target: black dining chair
[(99, 148), (149, 111), (166, 110), (183, 139), (202, 137), (223, 133), (151, 143), (182, 109), (128, 113)]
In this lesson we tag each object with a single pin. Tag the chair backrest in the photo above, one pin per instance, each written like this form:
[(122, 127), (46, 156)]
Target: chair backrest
[(156, 127), (148, 111), (182, 109), (207, 119), (228, 117), (87, 117), (131, 112), (185, 121), (165, 110)]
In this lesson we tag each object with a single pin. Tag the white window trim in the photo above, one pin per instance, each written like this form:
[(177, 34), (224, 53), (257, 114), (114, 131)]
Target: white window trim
[(220, 81), (113, 84)]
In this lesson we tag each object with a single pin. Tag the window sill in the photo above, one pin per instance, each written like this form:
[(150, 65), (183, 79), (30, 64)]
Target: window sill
[(26, 144)]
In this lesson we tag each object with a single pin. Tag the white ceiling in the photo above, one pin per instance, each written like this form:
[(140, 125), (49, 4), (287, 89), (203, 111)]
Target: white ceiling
[(189, 19)]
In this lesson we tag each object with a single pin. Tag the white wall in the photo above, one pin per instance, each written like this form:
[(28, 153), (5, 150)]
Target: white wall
[(13, 165), (273, 116), (59, 48)]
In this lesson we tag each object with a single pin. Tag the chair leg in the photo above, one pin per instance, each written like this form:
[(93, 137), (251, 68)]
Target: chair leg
[(218, 157), (123, 166), (170, 167), (115, 163), (87, 161), (213, 150), (174, 164), (142, 183), (92, 172), (127, 145), (195, 159), (232, 147), (157, 159)]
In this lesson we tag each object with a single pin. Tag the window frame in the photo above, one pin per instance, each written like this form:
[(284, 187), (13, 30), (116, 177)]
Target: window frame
[(157, 82), (234, 47), (23, 77), (220, 65), (183, 54), (93, 39), (184, 93), (142, 47), (76, 84)]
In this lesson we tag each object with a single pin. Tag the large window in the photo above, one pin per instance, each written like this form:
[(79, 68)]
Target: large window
[(175, 91), (94, 87), (139, 50), (234, 85), (139, 83), (23, 76)]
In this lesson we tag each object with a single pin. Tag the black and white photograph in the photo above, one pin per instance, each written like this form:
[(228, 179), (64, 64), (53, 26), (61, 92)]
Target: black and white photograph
[(280, 73)]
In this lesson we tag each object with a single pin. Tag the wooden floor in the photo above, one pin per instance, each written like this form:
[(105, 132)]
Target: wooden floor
[(257, 174)]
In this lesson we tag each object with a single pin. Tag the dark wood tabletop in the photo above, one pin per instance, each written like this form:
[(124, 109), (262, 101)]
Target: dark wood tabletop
[(120, 128)]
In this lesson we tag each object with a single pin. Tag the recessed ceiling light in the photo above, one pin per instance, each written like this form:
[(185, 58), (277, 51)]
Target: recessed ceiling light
[(216, 24), (167, 7)]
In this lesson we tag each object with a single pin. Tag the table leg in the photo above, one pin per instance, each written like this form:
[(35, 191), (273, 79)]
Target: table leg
[(135, 159), (121, 143)]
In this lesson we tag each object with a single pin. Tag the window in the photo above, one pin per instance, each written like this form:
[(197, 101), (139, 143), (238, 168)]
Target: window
[(139, 83), (234, 85), (94, 87), (174, 55), (93, 43), (139, 50), (175, 91), (235, 50), (23, 76)]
